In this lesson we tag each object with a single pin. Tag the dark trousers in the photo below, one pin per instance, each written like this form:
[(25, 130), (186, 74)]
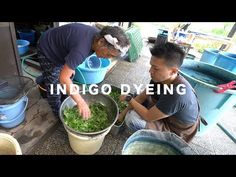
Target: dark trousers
[(51, 75)]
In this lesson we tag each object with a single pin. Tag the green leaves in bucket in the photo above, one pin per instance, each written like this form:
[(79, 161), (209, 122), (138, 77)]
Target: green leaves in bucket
[(97, 122), (115, 94)]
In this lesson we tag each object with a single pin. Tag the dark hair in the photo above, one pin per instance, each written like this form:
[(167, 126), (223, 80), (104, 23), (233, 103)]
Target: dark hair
[(170, 52), (116, 32)]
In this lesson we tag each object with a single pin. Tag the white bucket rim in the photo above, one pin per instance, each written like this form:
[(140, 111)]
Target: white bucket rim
[(14, 142)]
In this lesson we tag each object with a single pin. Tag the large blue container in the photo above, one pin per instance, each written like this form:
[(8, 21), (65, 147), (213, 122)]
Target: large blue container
[(23, 46), (11, 111), (209, 56), (227, 61), (11, 123), (28, 35), (204, 77), (85, 75)]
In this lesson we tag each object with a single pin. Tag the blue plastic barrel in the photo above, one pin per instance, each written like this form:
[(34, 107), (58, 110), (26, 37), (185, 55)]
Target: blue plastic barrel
[(209, 56), (85, 75), (227, 61), (204, 77)]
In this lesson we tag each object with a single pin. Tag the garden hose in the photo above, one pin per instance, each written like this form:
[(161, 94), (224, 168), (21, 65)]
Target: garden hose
[(33, 75), (24, 68)]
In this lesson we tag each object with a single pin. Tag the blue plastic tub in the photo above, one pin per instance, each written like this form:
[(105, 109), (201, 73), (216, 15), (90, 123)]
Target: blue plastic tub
[(92, 76), (17, 120), (227, 61), (28, 35), (9, 112), (209, 56), (204, 77), (23, 46)]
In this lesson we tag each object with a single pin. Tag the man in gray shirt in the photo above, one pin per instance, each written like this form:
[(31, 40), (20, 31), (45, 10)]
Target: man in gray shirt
[(174, 111)]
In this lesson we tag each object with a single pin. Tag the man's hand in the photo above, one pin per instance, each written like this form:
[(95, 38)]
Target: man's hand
[(121, 117), (65, 78), (84, 110), (122, 97)]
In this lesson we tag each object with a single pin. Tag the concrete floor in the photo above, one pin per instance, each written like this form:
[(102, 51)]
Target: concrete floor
[(53, 139)]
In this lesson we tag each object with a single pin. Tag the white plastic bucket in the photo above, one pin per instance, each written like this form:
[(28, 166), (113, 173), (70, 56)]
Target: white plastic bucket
[(86, 145), (9, 145)]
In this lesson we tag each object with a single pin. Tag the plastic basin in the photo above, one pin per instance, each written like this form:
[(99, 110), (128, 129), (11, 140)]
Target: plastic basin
[(89, 143), (93, 62), (85, 75), (9, 145), (9, 112), (204, 78), (150, 142), (23, 46), (227, 61), (209, 56), (10, 123), (86, 145)]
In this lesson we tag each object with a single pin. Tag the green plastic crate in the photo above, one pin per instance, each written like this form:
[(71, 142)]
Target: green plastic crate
[(136, 42)]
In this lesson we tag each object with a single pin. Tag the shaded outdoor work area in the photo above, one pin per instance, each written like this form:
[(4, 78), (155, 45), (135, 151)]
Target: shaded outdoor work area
[(41, 133), (40, 121)]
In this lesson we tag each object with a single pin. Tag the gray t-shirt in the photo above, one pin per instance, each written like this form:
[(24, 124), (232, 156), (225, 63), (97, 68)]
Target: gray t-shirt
[(70, 44), (183, 107)]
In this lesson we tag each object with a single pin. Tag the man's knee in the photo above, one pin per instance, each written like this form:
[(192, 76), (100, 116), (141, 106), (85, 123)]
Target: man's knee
[(134, 121), (129, 118)]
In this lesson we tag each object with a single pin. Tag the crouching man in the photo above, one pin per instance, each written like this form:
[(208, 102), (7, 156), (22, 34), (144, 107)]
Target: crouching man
[(175, 111)]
